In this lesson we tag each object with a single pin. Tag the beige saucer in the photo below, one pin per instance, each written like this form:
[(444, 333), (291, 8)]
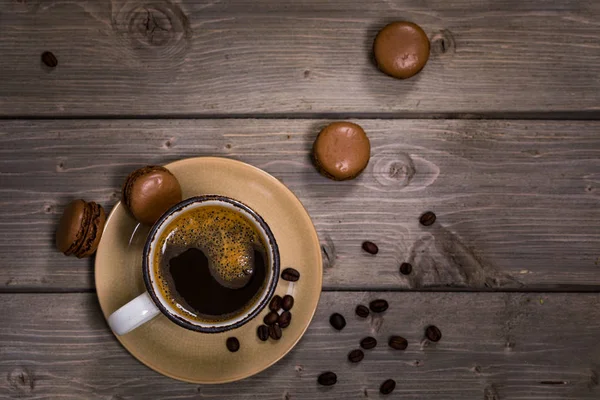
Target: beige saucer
[(198, 357)]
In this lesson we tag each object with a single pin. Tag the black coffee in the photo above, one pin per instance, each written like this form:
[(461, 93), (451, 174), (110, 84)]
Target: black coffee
[(211, 263)]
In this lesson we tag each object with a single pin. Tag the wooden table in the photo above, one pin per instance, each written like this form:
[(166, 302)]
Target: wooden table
[(499, 136)]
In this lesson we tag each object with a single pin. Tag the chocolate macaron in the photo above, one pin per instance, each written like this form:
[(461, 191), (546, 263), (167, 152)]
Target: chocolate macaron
[(341, 151), (80, 228), (401, 49), (149, 192)]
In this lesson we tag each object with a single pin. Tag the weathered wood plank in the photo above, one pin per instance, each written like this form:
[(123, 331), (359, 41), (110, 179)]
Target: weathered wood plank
[(518, 203), (494, 346), (205, 57)]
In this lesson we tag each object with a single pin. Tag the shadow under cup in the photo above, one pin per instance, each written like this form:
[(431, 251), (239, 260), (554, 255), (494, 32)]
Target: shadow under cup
[(206, 324)]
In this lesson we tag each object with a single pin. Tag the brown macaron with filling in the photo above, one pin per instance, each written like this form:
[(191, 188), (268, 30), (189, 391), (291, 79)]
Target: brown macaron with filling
[(80, 228), (401, 49), (149, 192), (341, 151)]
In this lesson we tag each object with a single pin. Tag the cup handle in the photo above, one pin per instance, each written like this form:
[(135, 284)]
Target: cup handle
[(133, 314)]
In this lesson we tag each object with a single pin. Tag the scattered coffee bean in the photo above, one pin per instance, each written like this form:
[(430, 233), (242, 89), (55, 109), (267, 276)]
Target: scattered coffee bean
[(433, 333), (262, 332), (284, 319), (290, 274), (275, 303), (387, 387), (427, 219), (233, 344), (327, 378), (356, 356), (378, 305), (405, 268), (370, 247), (49, 59), (271, 318), (362, 311), (337, 321), (275, 332), (397, 343), (368, 343), (287, 303)]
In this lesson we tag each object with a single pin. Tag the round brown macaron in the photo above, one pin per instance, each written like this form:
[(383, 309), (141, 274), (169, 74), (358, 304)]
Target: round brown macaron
[(401, 49), (341, 151), (149, 192), (80, 228)]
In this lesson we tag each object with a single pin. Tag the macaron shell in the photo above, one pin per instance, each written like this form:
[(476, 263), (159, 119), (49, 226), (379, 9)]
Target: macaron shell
[(70, 232), (341, 151), (128, 185), (401, 49), (149, 192), (94, 231)]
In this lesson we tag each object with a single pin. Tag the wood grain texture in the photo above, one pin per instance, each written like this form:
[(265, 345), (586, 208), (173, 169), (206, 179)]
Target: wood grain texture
[(207, 57), (517, 203), (494, 346)]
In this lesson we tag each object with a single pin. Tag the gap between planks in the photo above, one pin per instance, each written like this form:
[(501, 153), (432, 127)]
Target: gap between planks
[(549, 289), (585, 115)]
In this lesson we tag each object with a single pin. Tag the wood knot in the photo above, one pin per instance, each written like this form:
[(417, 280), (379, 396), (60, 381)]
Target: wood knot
[(159, 27), (21, 381), (443, 43), (397, 170), (594, 379), (115, 195), (376, 323), (509, 345), (328, 252), (48, 209), (490, 393), (60, 167)]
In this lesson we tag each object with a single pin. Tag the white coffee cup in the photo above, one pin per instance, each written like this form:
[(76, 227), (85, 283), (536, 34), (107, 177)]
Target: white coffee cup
[(151, 303)]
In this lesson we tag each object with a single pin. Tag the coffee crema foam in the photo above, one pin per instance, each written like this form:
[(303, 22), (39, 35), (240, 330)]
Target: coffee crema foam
[(228, 240)]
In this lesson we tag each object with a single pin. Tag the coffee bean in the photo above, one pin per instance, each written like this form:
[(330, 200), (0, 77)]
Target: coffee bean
[(387, 387), (427, 219), (327, 378), (362, 311), (397, 343), (378, 305), (287, 303), (433, 333), (405, 268), (290, 274), (262, 332), (49, 59), (275, 332), (233, 344), (368, 343), (284, 319), (370, 247), (271, 318), (275, 303), (356, 356), (337, 321)]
